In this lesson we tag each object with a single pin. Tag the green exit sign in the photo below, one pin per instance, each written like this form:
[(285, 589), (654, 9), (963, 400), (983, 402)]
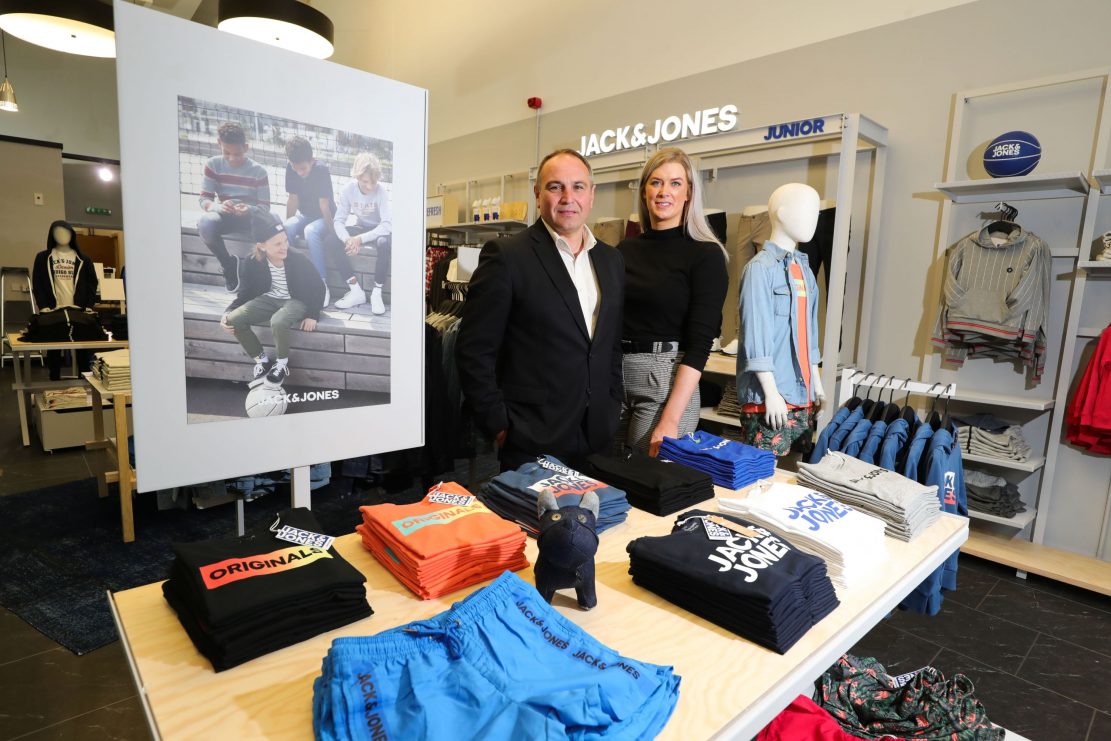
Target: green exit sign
[(98, 211)]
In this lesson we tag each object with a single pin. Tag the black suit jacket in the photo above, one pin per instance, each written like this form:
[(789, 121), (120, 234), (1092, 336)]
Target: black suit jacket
[(526, 363)]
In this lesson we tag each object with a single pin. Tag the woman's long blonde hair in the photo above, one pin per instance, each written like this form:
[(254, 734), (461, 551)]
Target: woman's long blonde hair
[(694, 217)]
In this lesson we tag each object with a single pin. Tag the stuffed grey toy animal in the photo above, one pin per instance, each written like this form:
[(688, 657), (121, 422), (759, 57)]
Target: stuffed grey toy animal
[(567, 543)]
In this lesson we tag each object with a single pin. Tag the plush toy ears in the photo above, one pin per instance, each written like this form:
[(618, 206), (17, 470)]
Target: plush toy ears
[(546, 502), (590, 503)]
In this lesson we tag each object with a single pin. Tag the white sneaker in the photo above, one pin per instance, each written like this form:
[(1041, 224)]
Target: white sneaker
[(354, 297), (731, 348), (376, 305), (327, 297)]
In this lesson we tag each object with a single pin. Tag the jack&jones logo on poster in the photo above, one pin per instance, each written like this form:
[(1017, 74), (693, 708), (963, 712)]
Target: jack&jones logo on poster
[(296, 398), (686, 126)]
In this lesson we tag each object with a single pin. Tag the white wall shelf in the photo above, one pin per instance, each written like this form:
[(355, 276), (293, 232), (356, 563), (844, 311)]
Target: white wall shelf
[(1021, 188), (1103, 180), (476, 228), (1018, 522), (1068, 496), (709, 414), (1014, 401), (1029, 465)]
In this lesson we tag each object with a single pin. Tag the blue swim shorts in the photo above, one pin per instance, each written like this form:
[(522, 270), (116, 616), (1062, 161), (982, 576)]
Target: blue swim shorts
[(501, 664)]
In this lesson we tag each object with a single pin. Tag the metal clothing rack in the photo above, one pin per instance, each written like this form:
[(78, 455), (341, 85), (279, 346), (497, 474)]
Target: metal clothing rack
[(851, 378), (5, 271)]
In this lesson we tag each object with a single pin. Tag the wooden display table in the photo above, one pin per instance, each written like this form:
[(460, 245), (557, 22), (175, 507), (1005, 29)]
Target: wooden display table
[(117, 450), (730, 687), (23, 385)]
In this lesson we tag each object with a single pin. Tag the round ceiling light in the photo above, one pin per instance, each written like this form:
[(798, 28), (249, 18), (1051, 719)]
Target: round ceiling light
[(105, 174), (72, 26), (287, 24)]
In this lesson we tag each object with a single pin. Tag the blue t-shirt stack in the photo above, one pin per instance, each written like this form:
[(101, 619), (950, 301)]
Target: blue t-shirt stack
[(513, 494), (730, 464)]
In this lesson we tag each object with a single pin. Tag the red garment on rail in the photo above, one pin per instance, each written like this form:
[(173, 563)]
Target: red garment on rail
[(1088, 421)]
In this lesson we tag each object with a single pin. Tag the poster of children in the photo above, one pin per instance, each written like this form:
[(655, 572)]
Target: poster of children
[(286, 241)]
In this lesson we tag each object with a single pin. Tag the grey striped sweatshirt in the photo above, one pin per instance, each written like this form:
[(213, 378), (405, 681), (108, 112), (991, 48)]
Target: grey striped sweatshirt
[(996, 297)]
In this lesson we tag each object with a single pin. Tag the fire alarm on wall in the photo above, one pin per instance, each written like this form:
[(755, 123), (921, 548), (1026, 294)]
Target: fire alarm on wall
[(534, 103)]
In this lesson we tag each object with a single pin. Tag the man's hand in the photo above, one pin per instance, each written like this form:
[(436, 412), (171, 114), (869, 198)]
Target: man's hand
[(352, 245), (499, 439), (240, 209), (225, 326), (308, 324)]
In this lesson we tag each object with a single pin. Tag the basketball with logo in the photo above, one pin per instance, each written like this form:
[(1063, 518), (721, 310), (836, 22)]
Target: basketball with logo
[(1011, 154), (265, 401)]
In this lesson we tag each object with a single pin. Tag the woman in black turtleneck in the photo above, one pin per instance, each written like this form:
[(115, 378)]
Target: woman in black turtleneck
[(675, 283)]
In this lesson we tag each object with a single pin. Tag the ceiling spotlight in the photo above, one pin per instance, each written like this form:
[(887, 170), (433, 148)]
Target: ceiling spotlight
[(287, 24), (105, 174), (72, 26)]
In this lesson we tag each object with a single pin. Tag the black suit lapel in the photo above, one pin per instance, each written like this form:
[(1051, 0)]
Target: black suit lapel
[(549, 257)]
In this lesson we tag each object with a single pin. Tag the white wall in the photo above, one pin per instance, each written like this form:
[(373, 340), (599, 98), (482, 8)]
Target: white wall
[(904, 76), (27, 169), (481, 60), (63, 98)]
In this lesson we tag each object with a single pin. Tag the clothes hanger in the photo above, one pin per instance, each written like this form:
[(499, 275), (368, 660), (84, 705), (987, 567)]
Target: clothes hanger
[(855, 400), (868, 403), (877, 410), (894, 409), (1005, 223), (934, 419), (946, 421)]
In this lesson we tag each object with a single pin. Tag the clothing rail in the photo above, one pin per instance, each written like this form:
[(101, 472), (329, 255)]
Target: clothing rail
[(853, 377)]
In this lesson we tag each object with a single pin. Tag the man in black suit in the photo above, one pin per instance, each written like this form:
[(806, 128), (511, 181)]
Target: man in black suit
[(539, 348)]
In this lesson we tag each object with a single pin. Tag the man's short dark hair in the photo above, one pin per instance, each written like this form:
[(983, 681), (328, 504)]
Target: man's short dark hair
[(230, 132), (557, 153), (298, 149)]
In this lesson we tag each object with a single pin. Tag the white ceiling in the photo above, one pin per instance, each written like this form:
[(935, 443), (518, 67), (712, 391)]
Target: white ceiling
[(481, 59)]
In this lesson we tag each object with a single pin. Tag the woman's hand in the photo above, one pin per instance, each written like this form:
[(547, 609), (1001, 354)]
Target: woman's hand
[(663, 429), (308, 324)]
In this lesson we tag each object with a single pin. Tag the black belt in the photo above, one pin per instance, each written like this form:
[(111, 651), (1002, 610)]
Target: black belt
[(634, 346)]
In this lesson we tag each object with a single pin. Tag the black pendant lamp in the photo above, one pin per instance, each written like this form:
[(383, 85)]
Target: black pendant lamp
[(287, 24), (72, 26)]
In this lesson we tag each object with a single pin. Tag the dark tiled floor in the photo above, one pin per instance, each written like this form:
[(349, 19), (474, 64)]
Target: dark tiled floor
[(1038, 652)]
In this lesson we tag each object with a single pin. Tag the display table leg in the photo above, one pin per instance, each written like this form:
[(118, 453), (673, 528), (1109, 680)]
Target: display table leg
[(123, 460), (98, 438), (22, 375), (300, 494)]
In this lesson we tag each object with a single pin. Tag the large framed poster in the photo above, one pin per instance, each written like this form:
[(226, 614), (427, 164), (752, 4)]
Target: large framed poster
[(274, 235)]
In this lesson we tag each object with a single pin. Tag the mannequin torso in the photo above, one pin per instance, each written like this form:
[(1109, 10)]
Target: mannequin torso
[(793, 212)]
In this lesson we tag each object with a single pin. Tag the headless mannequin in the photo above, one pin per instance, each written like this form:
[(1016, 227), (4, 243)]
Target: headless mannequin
[(793, 210), (63, 249)]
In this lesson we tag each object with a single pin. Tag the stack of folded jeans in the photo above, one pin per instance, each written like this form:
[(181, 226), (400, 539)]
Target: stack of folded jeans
[(446, 541), (731, 464), (906, 506), (241, 598), (729, 406), (502, 663), (850, 542), (869, 702), (653, 485), (988, 436), (992, 494), (513, 494), (737, 575)]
